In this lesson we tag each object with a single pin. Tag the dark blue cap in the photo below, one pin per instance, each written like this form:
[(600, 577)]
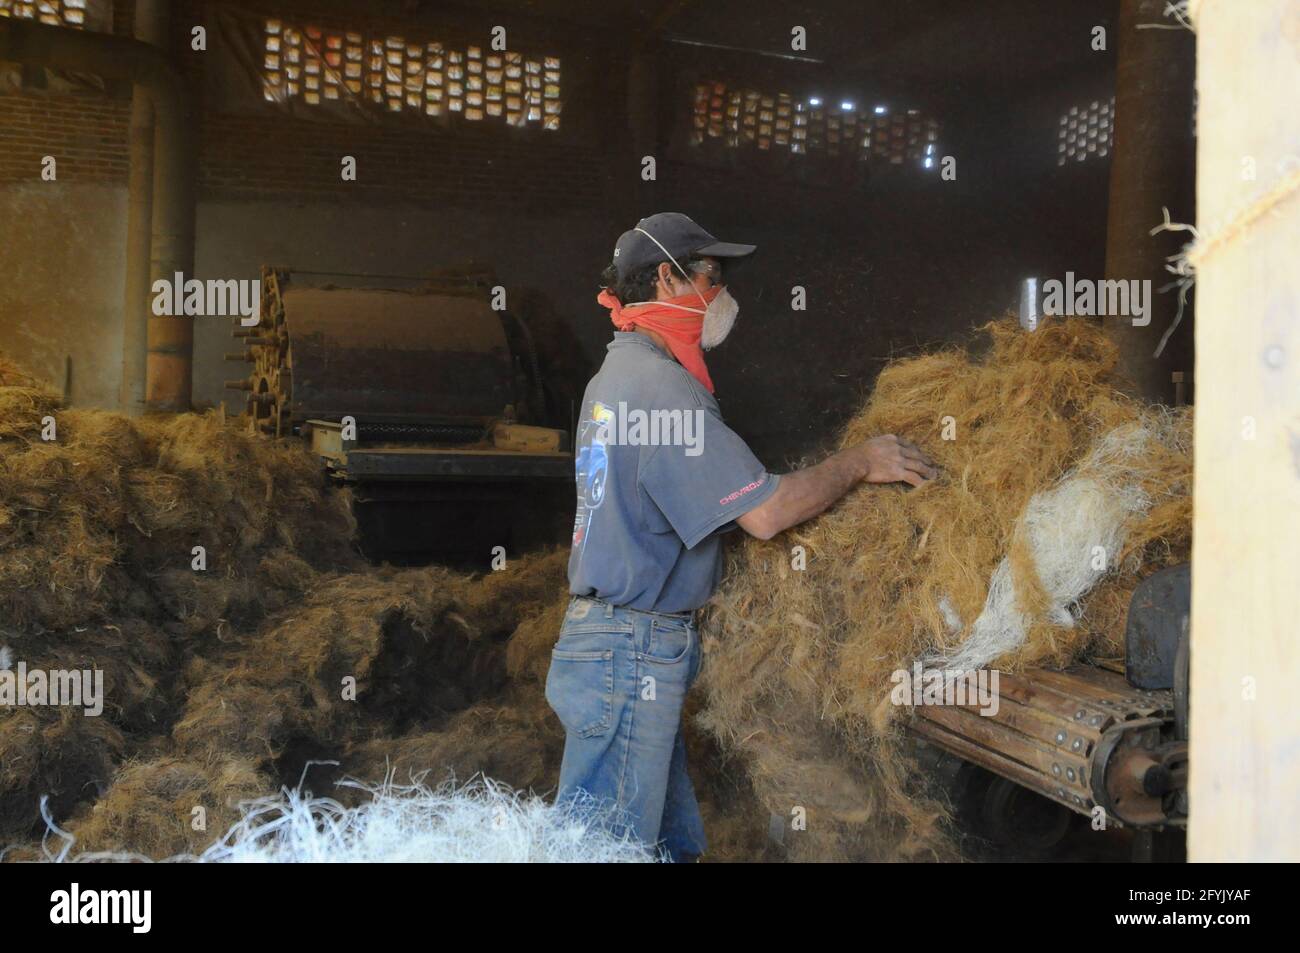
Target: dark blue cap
[(680, 237)]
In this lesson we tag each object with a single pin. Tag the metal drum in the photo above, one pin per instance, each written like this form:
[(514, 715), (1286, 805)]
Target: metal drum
[(380, 356)]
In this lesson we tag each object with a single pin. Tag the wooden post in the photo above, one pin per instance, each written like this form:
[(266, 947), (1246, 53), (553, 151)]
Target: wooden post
[(1245, 698), (1151, 168)]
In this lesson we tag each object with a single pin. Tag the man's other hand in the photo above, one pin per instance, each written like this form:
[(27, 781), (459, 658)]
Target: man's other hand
[(891, 459)]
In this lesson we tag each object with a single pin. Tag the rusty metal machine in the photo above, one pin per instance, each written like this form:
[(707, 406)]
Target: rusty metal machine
[(411, 395), (1110, 736)]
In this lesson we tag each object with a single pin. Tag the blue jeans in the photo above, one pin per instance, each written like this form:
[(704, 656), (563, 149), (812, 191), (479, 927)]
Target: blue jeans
[(618, 680)]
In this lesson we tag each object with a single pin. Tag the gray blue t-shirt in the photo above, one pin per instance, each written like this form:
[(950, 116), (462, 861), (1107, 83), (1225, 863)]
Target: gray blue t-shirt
[(659, 474)]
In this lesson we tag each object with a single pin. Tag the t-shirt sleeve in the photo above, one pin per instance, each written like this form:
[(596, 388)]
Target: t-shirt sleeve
[(703, 485)]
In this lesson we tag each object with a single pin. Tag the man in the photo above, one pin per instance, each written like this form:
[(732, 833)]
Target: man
[(660, 477)]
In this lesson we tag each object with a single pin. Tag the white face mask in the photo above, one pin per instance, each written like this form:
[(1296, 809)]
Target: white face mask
[(719, 317)]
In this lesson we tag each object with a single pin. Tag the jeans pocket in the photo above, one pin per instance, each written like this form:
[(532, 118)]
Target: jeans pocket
[(670, 641), (580, 688), (697, 661)]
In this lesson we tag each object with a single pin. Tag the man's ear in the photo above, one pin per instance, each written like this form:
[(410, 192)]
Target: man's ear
[(665, 272)]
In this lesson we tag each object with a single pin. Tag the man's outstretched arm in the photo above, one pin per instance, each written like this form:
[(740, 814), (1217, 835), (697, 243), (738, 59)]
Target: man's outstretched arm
[(803, 494)]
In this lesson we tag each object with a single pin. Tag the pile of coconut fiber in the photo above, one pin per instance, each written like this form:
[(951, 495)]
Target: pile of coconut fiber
[(401, 676), (104, 523), (288, 658), (373, 674), (211, 577), (280, 660), (1057, 495)]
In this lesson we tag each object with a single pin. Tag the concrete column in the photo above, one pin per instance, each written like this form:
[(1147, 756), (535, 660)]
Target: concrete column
[(151, 27)]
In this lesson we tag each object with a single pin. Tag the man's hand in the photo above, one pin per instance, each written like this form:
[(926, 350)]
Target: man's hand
[(803, 494), (890, 459)]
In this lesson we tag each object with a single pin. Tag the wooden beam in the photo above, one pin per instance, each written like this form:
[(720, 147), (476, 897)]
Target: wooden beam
[(1245, 696)]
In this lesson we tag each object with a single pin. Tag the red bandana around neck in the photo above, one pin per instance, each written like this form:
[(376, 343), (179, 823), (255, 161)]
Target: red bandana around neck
[(680, 329)]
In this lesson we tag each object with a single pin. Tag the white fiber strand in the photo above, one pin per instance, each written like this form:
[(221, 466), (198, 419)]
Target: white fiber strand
[(480, 822), (1074, 532)]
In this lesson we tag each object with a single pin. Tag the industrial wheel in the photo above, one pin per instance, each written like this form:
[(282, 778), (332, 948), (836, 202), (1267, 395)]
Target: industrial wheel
[(1016, 817)]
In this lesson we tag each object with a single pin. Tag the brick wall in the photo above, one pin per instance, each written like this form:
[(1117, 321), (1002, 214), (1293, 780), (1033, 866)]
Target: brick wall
[(269, 155), (485, 168), (86, 133)]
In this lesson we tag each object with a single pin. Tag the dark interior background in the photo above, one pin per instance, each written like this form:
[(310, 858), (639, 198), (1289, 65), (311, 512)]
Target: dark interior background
[(892, 257)]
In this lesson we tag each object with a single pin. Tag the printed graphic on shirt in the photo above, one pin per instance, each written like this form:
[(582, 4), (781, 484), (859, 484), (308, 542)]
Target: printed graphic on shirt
[(591, 466)]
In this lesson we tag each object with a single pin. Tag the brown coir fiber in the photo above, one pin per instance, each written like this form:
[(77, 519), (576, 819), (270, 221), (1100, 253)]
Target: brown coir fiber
[(513, 738), (798, 662), (167, 807), (101, 520), (509, 734), (374, 651), (56, 753), (99, 514)]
